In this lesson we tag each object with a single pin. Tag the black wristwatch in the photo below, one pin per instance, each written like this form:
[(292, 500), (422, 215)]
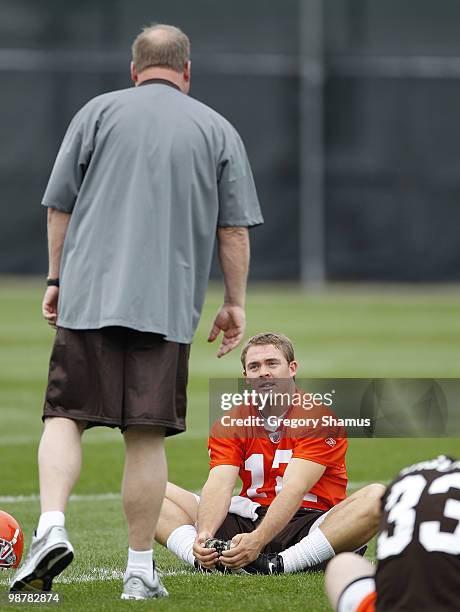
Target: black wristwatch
[(52, 282)]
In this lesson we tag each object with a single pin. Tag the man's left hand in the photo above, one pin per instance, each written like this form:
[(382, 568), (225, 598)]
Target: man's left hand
[(245, 548)]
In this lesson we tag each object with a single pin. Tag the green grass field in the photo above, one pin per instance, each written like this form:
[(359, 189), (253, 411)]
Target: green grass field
[(356, 332)]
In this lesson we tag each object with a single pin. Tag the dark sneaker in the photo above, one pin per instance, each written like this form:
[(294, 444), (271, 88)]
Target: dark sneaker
[(220, 546), (271, 563)]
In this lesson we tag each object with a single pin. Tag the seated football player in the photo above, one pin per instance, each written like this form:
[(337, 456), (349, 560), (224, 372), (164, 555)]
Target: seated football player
[(292, 513), (418, 547)]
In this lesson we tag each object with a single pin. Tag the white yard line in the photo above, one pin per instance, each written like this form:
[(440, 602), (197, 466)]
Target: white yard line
[(99, 575), (106, 574), (17, 499)]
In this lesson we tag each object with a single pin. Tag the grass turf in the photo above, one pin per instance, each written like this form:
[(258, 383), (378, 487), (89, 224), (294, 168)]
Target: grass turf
[(342, 332)]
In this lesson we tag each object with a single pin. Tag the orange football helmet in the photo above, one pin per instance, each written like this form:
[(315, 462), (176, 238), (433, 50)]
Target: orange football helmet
[(11, 541)]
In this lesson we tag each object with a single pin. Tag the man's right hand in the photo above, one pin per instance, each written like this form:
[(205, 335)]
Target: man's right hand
[(50, 305), (206, 556), (232, 321)]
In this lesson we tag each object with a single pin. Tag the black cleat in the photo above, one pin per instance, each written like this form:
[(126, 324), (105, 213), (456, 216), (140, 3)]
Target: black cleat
[(220, 546), (267, 564)]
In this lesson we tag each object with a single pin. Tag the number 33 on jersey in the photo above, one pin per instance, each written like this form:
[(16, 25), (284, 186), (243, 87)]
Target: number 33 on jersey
[(419, 541)]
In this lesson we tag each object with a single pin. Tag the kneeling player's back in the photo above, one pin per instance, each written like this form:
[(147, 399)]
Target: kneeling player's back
[(418, 549)]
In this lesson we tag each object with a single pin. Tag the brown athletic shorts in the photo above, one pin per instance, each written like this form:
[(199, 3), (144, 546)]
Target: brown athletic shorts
[(297, 528), (118, 377)]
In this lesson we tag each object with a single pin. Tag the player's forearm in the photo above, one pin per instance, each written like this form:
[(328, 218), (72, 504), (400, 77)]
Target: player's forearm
[(233, 246), (213, 508), (57, 227), (279, 514)]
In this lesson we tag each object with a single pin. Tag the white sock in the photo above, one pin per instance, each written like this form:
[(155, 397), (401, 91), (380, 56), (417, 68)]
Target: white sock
[(311, 550), (49, 519), (180, 543), (140, 561)]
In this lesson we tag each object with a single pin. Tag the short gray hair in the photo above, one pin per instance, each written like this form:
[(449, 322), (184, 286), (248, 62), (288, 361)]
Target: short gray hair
[(282, 343), (161, 45)]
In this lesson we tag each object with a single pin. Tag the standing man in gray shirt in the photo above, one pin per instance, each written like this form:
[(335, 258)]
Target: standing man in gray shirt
[(143, 181)]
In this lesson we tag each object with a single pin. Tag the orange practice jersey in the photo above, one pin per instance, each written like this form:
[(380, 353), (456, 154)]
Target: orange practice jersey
[(263, 456)]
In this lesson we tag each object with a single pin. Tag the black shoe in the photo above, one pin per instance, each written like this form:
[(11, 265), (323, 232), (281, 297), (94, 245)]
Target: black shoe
[(220, 546), (271, 563)]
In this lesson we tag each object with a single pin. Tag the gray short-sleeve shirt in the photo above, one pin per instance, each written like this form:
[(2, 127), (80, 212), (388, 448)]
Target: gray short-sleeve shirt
[(148, 174)]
